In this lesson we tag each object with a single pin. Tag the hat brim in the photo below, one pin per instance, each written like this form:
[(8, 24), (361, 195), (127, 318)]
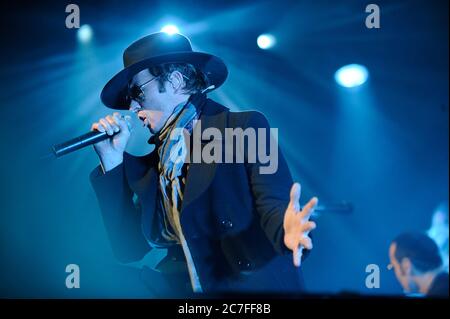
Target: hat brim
[(114, 94)]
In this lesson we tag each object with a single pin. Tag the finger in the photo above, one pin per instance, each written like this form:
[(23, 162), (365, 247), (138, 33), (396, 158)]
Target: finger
[(308, 209), (128, 122), (295, 196), (107, 126), (308, 226), (297, 255), (95, 127), (103, 122), (306, 242), (112, 121), (122, 121)]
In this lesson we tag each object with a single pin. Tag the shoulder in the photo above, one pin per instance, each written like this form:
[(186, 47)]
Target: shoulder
[(248, 118), (439, 286), (251, 118)]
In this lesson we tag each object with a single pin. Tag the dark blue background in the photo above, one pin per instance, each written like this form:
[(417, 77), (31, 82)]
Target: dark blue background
[(382, 146)]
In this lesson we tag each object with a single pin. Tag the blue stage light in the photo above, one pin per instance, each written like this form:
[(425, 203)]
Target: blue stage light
[(170, 29), (84, 33), (351, 75), (266, 41)]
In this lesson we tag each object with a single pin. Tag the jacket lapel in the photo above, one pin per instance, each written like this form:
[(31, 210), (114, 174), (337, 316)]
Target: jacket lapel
[(200, 175)]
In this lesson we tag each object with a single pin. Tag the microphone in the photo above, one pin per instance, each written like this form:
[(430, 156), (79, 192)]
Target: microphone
[(342, 208), (85, 140), (80, 142)]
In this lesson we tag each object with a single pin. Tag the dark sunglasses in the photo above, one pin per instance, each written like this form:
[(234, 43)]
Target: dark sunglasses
[(135, 92)]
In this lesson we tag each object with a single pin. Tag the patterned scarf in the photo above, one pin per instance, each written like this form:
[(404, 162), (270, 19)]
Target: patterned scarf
[(172, 151)]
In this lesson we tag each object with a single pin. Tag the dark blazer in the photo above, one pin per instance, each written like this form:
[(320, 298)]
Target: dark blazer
[(231, 216)]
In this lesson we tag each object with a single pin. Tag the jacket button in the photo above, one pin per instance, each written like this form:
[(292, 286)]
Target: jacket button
[(226, 223)]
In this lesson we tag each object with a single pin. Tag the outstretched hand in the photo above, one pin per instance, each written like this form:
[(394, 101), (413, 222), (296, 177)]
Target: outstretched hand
[(296, 224)]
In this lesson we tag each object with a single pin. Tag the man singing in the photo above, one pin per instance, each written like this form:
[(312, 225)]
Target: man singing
[(227, 227)]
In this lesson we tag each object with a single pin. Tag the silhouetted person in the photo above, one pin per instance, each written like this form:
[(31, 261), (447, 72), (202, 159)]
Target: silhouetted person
[(418, 265)]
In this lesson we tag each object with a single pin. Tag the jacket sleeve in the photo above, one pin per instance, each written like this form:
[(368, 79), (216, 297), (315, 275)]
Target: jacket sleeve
[(121, 218), (270, 186)]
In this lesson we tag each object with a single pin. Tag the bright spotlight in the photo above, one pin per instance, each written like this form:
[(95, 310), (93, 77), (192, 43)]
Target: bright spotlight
[(266, 41), (170, 29), (351, 75), (84, 33)]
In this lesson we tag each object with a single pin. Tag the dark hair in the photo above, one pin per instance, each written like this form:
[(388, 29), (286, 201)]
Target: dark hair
[(420, 249), (195, 80)]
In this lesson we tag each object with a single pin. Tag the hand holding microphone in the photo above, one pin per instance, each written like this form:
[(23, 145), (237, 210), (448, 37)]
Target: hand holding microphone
[(109, 136), (110, 150)]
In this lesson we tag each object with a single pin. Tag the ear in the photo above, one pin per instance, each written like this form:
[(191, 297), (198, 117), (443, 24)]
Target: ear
[(176, 78), (406, 266)]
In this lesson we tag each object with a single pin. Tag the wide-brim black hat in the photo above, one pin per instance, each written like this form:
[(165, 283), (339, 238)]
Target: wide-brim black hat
[(154, 49)]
